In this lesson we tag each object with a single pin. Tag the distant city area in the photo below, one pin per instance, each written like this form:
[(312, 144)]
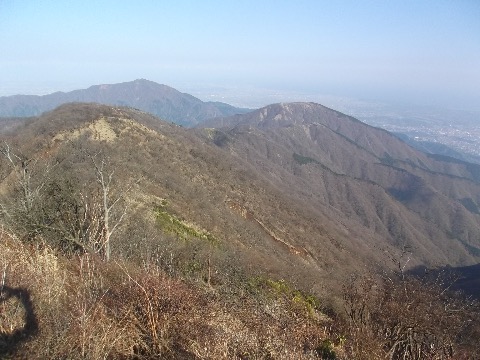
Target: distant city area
[(464, 138), (458, 130)]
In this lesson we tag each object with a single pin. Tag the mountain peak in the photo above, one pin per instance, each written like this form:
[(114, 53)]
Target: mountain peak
[(133, 87), (286, 115), (158, 99)]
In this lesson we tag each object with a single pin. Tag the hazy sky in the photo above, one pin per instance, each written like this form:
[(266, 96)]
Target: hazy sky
[(412, 51)]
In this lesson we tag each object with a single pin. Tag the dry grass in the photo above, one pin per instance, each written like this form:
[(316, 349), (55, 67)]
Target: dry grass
[(65, 302), (60, 307)]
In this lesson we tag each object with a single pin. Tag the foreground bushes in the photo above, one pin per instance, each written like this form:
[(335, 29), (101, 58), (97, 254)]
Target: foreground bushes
[(54, 306), (403, 317), (82, 307)]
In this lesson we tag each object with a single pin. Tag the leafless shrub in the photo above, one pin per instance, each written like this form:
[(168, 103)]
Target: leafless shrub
[(87, 308), (42, 206), (403, 317)]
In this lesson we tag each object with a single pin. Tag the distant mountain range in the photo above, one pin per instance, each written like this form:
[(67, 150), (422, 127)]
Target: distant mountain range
[(296, 190), (187, 110), (159, 100)]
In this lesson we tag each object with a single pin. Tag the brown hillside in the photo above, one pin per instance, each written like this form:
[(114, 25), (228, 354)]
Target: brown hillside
[(358, 175), (124, 236), (297, 191)]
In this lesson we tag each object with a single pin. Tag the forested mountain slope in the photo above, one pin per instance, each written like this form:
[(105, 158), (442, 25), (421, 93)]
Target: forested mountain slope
[(118, 228), (373, 186)]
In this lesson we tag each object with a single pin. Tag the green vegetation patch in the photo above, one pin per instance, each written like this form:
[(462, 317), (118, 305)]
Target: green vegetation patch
[(175, 226), (303, 160), (280, 288), (326, 350)]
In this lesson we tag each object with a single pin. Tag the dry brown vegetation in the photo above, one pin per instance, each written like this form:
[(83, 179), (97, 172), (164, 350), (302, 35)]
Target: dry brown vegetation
[(398, 317), (78, 306), (82, 307), (148, 241)]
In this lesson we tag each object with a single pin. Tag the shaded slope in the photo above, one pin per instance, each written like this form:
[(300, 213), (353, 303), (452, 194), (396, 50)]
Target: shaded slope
[(464, 278)]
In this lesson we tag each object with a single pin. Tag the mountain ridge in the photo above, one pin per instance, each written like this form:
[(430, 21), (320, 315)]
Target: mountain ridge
[(294, 184), (327, 145), (302, 220), (158, 99)]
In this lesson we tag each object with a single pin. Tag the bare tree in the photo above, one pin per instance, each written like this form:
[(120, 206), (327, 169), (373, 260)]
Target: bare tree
[(54, 207), (403, 317), (110, 214), (29, 183)]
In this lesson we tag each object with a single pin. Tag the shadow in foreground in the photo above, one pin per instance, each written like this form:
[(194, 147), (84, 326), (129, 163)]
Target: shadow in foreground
[(9, 341)]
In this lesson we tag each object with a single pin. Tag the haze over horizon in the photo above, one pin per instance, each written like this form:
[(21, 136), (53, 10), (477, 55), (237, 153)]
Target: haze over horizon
[(424, 53)]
